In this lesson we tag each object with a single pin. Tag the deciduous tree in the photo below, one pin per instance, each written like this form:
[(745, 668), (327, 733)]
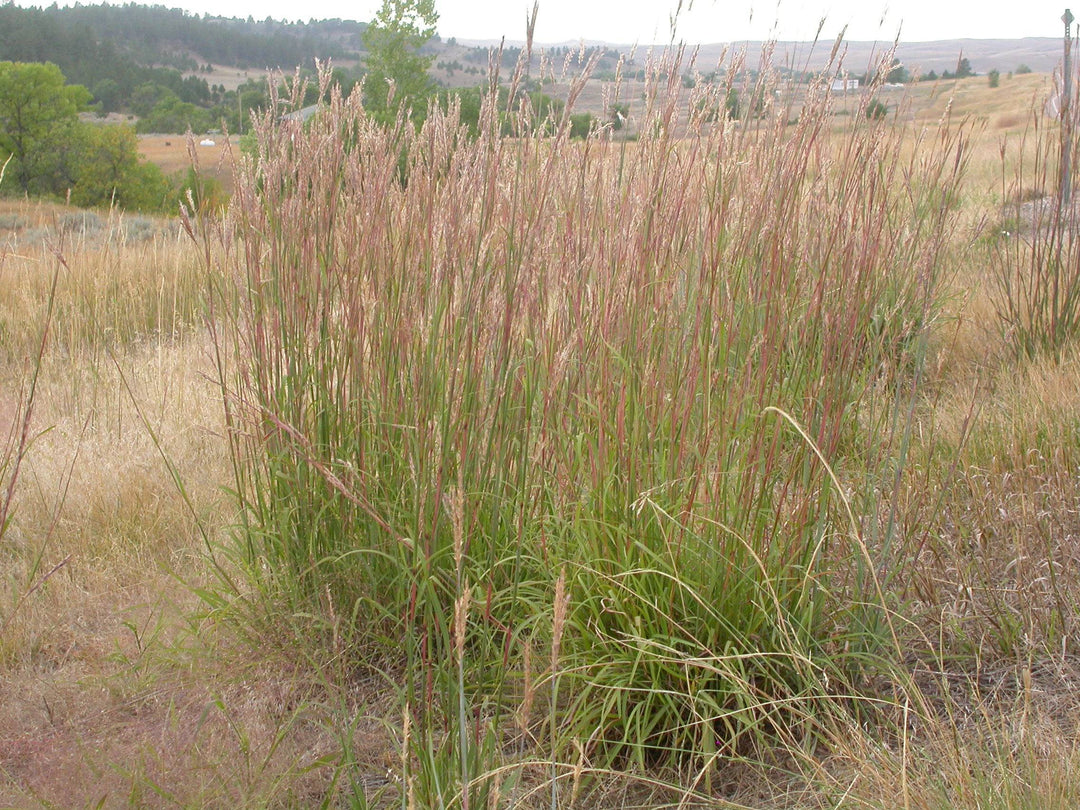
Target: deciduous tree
[(35, 105), (394, 40), (109, 171)]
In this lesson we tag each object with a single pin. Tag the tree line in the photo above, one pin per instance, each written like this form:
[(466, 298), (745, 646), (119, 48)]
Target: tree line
[(150, 31), (134, 57), (155, 35), (49, 150)]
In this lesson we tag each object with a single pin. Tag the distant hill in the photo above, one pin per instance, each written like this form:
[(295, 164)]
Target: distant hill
[(1041, 54), (153, 35), (159, 36), (168, 69)]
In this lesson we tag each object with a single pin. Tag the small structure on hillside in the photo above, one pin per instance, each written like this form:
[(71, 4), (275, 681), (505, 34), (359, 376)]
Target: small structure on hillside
[(844, 84)]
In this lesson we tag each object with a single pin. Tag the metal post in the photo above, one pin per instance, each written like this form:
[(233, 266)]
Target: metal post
[(1066, 115)]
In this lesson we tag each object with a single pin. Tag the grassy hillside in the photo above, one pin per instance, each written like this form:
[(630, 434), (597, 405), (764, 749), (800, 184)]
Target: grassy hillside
[(701, 469)]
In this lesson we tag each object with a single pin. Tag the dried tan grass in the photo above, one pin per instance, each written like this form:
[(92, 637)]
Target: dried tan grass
[(101, 540), (172, 154), (121, 280)]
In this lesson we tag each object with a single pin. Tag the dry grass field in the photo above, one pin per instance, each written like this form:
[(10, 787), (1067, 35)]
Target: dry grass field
[(229, 77), (173, 154), (140, 664)]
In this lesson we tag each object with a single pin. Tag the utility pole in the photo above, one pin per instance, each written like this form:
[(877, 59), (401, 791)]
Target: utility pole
[(1065, 192)]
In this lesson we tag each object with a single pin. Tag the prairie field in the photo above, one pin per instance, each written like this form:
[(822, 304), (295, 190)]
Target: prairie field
[(733, 465), (173, 153)]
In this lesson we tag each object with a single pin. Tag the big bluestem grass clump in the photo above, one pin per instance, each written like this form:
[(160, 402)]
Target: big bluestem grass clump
[(665, 379)]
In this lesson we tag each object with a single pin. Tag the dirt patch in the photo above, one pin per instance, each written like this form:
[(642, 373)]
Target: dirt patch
[(90, 715)]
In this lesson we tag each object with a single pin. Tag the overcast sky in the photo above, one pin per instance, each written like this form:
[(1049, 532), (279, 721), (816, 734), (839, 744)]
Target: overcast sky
[(707, 21)]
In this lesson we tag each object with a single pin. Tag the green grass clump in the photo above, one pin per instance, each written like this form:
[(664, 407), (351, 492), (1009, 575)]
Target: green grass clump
[(491, 395)]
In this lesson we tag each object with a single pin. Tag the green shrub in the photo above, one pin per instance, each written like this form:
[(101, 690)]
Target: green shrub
[(199, 192), (581, 125), (876, 109), (171, 115), (109, 172)]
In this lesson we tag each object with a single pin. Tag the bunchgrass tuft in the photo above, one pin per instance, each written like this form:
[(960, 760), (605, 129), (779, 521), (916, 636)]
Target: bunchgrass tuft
[(1036, 263), (643, 404)]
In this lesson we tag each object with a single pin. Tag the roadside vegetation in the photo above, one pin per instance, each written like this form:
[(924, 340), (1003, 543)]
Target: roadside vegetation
[(469, 464)]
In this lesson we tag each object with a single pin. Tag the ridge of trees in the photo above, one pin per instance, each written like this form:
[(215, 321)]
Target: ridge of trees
[(159, 36), (133, 58)]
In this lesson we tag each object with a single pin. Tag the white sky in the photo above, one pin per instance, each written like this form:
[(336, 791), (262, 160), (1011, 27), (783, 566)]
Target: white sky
[(707, 21)]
